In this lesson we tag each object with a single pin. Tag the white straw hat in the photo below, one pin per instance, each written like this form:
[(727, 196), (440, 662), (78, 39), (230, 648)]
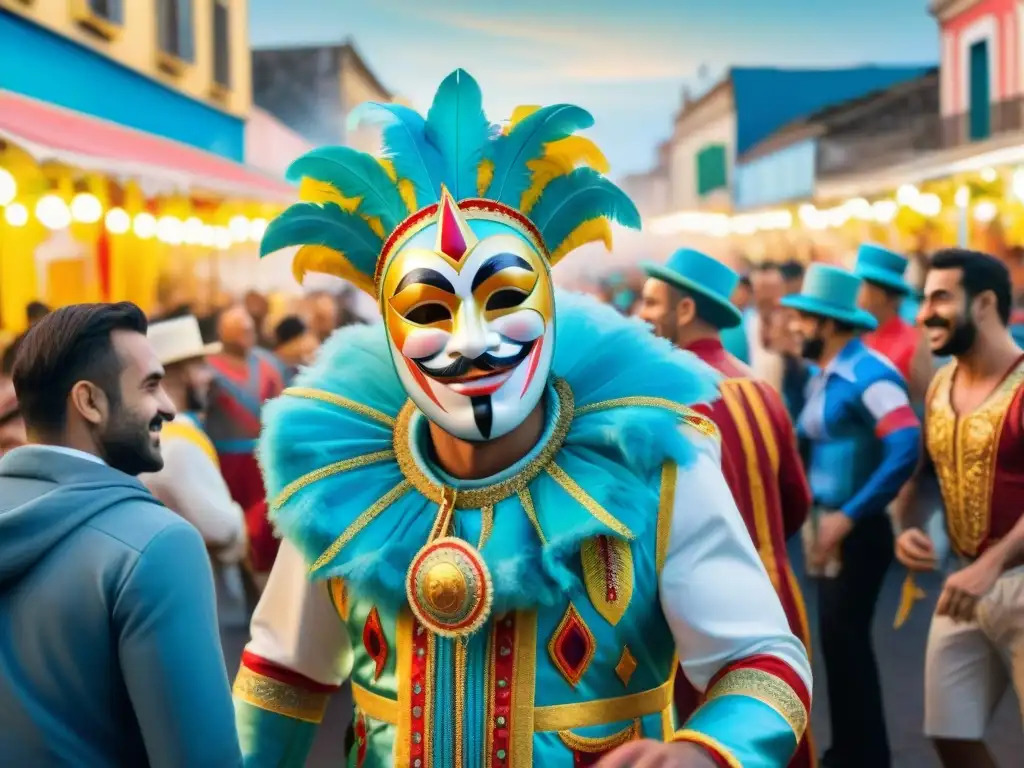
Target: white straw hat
[(179, 339)]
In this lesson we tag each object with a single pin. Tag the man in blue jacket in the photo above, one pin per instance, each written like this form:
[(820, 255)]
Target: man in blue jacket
[(109, 648)]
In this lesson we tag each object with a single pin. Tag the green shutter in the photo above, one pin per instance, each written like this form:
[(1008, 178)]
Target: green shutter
[(712, 170)]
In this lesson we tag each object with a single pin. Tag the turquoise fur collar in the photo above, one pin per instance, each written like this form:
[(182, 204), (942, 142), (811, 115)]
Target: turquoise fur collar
[(339, 493)]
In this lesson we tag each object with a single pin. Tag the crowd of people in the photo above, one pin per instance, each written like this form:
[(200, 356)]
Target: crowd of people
[(519, 546)]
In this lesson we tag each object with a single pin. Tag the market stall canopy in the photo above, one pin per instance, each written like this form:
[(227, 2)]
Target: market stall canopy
[(49, 132)]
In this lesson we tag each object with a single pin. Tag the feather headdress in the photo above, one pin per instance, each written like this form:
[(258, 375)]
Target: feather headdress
[(535, 175)]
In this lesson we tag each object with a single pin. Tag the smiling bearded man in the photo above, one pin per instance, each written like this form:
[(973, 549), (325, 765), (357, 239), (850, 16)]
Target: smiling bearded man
[(500, 519)]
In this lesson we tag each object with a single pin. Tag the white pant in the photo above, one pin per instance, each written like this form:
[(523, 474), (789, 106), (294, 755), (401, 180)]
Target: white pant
[(969, 666)]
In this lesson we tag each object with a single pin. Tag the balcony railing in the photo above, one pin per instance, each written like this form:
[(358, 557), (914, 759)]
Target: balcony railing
[(877, 147)]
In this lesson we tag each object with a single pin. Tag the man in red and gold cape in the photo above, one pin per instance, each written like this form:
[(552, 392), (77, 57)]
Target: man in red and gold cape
[(501, 517), (244, 379), (687, 302), (974, 440)]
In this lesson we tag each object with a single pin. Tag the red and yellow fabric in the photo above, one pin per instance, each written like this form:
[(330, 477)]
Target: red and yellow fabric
[(760, 694), (762, 467), (233, 424)]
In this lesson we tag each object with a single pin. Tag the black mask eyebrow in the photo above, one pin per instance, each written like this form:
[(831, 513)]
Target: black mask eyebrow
[(423, 276), (496, 264)]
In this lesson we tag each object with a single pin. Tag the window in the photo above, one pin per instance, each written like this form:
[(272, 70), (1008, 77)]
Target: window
[(221, 45), (712, 169), (105, 17), (175, 34)]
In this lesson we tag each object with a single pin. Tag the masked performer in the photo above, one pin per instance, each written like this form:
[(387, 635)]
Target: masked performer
[(500, 517)]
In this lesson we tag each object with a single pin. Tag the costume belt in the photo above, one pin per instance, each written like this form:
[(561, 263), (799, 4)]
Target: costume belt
[(558, 717)]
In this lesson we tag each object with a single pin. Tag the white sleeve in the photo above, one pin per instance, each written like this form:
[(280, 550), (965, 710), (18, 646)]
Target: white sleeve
[(715, 593), (192, 485), (884, 397), (296, 626)]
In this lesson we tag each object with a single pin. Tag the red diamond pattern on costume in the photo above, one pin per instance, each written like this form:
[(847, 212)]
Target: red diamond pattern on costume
[(361, 743), (374, 642), (572, 646)]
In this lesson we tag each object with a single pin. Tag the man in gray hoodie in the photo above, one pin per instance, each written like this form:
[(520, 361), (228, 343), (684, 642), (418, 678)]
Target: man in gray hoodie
[(109, 648)]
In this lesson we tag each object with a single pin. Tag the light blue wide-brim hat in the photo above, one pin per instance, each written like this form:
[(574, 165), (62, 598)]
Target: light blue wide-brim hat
[(831, 292), (882, 266), (709, 281)]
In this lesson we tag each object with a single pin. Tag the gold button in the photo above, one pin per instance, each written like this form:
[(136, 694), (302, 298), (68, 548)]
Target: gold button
[(445, 588)]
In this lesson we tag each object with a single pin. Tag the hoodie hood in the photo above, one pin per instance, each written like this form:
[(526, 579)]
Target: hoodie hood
[(46, 495)]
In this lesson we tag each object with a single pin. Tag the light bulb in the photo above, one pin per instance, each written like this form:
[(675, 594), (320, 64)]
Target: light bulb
[(1017, 183), (8, 187), (907, 194), (928, 205), (884, 211), (16, 215), (118, 222), (86, 208), (962, 198), (257, 228), (144, 226), (985, 211), (53, 212), (221, 238), (206, 236), (239, 229), (988, 175), (169, 230), (192, 230)]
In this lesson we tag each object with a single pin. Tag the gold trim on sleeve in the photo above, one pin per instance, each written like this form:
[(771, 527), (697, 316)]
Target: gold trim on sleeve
[(330, 398), (714, 745), (489, 495), (282, 699), (769, 690), (590, 745), (336, 468), (698, 421), (666, 505)]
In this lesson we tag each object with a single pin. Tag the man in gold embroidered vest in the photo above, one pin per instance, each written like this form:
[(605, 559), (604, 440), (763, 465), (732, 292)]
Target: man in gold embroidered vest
[(509, 538), (974, 436)]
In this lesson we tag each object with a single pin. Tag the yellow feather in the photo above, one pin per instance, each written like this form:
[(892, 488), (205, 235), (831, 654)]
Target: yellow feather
[(579, 150), (484, 176), (560, 157), (375, 224), (408, 193), (592, 231), (389, 168), (327, 261), (520, 113), (313, 191)]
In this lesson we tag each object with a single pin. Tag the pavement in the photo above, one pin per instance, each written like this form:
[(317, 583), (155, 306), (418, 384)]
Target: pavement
[(900, 654)]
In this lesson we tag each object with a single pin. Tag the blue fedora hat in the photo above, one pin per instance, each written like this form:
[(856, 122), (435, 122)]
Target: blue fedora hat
[(876, 264), (831, 292), (708, 280)]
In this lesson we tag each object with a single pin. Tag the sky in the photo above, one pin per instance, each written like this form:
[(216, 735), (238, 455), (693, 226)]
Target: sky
[(626, 61)]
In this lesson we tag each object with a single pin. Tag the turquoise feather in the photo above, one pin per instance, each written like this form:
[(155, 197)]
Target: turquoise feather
[(611, 453), (327, 225), (354, 174), (526, 142), (458, 127), (570, 200), (406, 145)]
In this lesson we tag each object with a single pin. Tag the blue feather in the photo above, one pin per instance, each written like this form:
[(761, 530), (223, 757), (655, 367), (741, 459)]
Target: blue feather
[(570, 200), (405, 144), (354, 174), (526, 142), (457, 126), (328, 225)]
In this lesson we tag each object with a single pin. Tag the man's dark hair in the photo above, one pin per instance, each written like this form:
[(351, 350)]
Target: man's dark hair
[(289, 329), (36, 311), (792, 270), (745, 281), (981, 272), (69, 345)]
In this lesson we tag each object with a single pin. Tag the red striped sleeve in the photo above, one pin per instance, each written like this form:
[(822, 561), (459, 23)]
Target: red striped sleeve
[(261, 666), (897, 419)]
